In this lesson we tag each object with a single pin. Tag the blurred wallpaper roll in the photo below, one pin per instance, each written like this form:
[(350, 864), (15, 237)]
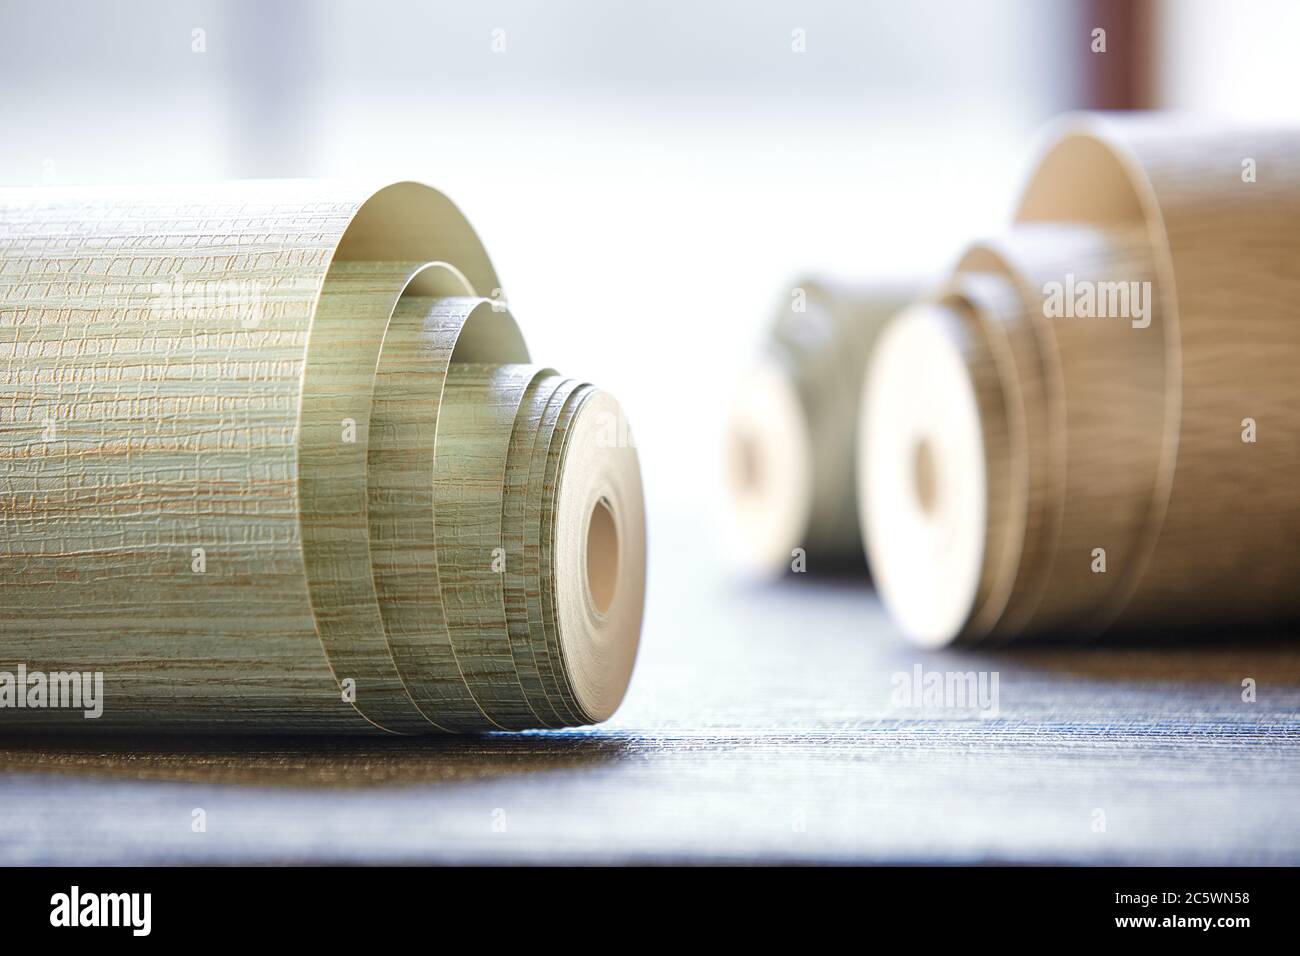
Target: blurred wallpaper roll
[(1091, 426), (789, 461)]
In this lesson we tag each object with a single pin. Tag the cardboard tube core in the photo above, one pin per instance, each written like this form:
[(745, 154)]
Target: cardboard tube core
[(602, 556), (924, 476)]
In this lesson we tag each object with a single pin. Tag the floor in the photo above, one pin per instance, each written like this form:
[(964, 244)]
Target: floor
[(763, 724)]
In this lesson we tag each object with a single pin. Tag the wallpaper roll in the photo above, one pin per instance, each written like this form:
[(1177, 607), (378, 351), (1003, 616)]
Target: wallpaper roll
[(1092, 425), (256, 450), (791, 433)]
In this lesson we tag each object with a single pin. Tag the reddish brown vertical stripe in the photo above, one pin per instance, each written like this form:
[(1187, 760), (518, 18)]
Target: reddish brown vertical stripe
[(1122, 77)]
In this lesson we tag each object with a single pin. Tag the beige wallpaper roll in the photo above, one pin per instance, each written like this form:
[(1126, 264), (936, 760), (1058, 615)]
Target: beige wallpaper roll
[(222, 448), (789, 450), (1096, 425)]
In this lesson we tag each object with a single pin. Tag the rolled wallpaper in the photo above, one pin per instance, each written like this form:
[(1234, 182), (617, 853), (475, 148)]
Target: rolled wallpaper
[(1092, 425), (274, 460), (789, 457)]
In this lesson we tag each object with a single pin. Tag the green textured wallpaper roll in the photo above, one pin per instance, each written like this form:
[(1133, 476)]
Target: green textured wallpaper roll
[(254, 451)]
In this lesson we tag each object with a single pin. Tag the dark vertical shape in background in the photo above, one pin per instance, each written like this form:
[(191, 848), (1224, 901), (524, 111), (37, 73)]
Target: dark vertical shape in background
[(1122, 78)]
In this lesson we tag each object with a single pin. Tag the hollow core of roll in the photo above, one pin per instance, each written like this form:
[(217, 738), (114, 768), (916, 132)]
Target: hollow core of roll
[(924, 476), (602, 556), (748, 460)]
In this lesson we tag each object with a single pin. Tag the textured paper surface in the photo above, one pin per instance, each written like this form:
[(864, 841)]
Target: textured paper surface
[(192, 504)]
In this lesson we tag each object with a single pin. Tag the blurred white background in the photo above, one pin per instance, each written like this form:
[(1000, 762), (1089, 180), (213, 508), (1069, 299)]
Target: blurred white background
[(649, 179)]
